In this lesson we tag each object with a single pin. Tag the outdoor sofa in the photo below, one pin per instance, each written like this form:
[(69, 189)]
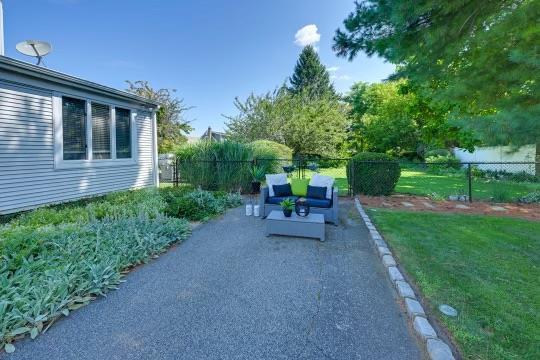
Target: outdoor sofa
[(327, 207)]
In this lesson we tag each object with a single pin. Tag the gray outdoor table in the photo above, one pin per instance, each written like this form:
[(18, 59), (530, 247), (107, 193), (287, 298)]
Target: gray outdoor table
[(311, 226)]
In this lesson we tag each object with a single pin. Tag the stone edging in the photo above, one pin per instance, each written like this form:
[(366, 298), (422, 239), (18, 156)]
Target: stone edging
[(437, 349)]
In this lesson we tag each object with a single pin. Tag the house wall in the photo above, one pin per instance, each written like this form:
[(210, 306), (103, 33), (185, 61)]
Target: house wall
[(500, 154), (28, 175)]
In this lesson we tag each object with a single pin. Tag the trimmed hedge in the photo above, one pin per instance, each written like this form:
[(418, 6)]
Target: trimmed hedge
[(373, 173)]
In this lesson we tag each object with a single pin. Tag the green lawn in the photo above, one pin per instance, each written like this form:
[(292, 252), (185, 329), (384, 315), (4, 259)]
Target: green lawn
[(486, 267), (419, 182)]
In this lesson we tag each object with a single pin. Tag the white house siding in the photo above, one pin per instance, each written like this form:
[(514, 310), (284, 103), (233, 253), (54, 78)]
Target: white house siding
[(28, 177), (503, 154)]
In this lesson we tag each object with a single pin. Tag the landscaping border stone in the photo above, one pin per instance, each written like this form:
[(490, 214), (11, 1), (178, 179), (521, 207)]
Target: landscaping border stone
[(436, 348)]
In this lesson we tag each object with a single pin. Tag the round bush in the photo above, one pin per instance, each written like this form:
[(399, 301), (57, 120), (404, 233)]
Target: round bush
[(263, 149), (373, 173), (443, 162)]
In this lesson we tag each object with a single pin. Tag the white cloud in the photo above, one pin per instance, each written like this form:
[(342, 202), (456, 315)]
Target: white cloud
[(340, 77), (308, 35), (332, 68)]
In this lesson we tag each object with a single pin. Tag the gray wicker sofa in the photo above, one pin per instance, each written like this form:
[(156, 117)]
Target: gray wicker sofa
[(329, 208)]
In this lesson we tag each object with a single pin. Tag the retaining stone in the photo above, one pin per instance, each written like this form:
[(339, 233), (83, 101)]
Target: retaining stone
[(405, 290), (414, 308), (388, 260), (395, 274), (380, 242), (383, 250), (438, 350), (424, 328)]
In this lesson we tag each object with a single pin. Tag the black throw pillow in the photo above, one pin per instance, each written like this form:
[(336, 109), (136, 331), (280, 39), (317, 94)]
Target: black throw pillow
[(282, 190), (316, 192)]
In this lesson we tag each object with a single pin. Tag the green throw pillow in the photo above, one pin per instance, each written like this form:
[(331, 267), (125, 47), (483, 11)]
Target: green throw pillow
[(299, 187)]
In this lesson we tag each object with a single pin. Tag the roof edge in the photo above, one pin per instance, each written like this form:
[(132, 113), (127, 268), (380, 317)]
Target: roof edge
[(25, 68)]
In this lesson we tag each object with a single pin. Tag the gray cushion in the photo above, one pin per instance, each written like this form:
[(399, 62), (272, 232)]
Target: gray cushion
[(277, 199)]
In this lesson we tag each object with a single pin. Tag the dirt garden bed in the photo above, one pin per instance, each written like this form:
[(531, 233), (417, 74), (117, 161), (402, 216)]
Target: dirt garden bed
[(421, 203)]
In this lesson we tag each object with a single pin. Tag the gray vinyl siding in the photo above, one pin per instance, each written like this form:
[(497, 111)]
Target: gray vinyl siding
[(28, 177)]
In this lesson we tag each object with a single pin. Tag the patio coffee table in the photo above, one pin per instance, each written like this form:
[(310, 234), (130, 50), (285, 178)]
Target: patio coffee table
[(311, 226)]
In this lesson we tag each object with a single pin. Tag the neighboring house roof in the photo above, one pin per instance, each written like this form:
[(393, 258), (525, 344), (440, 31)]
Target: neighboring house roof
[(214, 135), (42, 73)]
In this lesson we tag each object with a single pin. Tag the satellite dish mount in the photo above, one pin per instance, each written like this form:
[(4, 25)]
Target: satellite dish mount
[(34, 48)]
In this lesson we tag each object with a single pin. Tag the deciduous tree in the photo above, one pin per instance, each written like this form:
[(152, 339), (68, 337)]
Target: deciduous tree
[(171, 123)]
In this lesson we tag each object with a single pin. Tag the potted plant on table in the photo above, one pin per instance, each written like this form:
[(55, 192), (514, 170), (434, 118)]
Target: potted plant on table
[(257, 176), (287, 206)]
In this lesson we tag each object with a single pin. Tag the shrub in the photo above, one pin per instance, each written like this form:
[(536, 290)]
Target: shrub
[(201, 205), (216, 166), (501, 195), (439, 162), (531, 198), (438, 152), (262, 149), (48, 271), (373, 173), (116, 205)]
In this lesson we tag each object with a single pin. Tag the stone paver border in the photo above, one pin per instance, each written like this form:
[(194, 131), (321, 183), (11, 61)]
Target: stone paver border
[(436, 348)]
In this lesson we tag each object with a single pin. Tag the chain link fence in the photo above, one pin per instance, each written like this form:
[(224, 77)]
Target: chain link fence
[(471, 181)]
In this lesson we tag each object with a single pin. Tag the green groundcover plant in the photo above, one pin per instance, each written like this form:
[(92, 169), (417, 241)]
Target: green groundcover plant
[(56, 259)]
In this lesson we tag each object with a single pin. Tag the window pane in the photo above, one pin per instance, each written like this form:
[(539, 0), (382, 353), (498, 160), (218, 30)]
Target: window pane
[(101, 131), (74, 128), (123, 133)]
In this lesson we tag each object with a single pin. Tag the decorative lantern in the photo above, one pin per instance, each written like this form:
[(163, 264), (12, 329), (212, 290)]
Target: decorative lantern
[(301, 207)]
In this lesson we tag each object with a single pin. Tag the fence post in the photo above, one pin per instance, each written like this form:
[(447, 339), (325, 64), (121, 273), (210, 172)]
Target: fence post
[(469, 176), (175, 175)]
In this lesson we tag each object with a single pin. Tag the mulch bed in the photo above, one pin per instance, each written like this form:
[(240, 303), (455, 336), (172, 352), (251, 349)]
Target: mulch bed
[(420, 203)]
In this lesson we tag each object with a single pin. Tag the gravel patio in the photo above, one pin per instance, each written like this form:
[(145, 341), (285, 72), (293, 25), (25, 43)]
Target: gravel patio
[(229, 292)]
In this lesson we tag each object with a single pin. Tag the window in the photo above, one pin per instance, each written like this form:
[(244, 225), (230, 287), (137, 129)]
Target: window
[(74, 128), (123, 133), (101, 131), (92, 133)]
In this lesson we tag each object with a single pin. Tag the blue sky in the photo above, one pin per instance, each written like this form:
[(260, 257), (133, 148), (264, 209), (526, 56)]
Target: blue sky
[(209, 51)]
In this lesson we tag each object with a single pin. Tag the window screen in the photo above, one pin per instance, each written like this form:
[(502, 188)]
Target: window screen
[(101, 131), (74, 128), (123, 133)]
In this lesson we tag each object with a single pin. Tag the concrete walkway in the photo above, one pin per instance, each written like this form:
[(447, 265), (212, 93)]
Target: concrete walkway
[(230, 293)]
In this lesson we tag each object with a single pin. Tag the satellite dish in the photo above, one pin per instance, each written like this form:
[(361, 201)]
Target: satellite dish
[(34, 48)]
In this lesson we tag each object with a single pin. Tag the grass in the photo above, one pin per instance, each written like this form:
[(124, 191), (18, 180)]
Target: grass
[(419, 182), (486, 267), (339, 174)]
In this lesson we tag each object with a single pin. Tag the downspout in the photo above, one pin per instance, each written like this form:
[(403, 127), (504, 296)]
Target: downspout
[(1, 28), (155, 155)]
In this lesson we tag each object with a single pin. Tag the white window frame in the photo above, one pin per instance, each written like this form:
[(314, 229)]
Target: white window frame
[(60, 163)]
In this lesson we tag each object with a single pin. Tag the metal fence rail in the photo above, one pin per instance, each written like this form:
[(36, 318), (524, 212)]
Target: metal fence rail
[(465, 181)]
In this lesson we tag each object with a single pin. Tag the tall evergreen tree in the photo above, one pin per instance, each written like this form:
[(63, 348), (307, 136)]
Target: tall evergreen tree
[(481, 57), (311, 75)]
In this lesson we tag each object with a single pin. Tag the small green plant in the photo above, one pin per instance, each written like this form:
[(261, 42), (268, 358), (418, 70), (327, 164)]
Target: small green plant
[(257, 173), (287, 204), (500, 195), (531, 198)]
